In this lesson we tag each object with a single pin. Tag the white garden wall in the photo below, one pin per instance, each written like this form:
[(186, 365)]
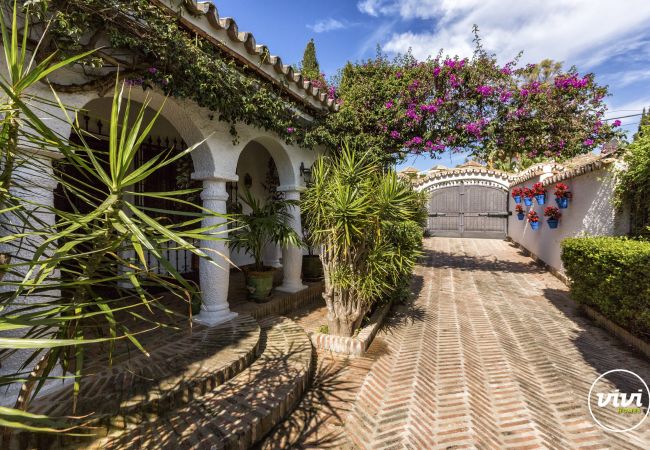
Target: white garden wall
[(590, 212)]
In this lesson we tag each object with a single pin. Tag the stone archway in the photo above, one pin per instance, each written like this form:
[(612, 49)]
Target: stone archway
[(253, 161)]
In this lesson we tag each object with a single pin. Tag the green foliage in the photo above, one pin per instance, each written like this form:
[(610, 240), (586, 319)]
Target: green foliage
[(181, 63), (643, 123), (267, 223), (309, 66), (545, 71), (65, 288), (503, 115), (612, 275), (633, 188), (364, 220)]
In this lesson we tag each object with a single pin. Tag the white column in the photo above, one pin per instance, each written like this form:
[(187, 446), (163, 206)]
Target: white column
[(272, 254), (292, 255), (215, 275)]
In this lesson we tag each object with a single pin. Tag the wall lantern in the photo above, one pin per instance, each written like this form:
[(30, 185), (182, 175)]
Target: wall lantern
[(305, 173)]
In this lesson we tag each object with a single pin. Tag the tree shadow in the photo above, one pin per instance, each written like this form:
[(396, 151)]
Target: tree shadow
[(599, 348), (472, 262), (317, 421)]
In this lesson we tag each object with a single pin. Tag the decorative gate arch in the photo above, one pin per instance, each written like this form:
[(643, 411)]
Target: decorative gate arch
[(467, 202)]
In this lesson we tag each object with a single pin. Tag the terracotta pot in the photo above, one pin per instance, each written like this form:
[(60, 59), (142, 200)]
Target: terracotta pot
[(312, 268)]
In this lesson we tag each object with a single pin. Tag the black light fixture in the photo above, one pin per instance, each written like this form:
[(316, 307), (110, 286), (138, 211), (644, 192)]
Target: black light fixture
[(305, 173)]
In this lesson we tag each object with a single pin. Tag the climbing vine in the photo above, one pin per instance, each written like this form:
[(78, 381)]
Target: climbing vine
[(162, 53)]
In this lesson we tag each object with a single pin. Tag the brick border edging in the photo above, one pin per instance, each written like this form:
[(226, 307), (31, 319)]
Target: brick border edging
[(621, 333), (356, 345), (286, 303)]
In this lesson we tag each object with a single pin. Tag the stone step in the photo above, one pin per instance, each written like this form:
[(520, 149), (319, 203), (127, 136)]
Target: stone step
[(182, 365), (239, 412)]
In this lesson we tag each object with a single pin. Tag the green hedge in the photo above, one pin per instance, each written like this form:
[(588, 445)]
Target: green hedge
[(611, 274)]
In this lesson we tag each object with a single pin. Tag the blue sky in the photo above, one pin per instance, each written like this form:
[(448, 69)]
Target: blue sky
[(610, 39)]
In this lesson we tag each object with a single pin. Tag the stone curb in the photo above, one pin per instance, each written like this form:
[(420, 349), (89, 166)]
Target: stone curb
[(356, 345), (621, 333), (286, 303)]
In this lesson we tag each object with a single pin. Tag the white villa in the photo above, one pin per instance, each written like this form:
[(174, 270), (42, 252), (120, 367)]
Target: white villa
[(222, 166)]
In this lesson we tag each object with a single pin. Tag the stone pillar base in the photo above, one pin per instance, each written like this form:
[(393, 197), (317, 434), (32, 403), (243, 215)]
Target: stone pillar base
[(214, 318), (291, 288)]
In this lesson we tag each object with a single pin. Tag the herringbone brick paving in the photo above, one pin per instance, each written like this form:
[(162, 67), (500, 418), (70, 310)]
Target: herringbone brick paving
[(491, 354)]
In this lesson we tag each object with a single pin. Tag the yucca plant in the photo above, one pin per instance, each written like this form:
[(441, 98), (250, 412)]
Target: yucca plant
[(267, 222), (355, 210), (69, 292)]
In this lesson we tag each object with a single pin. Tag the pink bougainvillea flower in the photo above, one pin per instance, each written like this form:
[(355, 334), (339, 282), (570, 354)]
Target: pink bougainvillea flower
[(389, 104), (616, 123), (290, 130), (588, 142)]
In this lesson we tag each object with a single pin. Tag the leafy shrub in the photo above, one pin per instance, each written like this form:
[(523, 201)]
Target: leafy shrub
[(611, 274), (633, 188)]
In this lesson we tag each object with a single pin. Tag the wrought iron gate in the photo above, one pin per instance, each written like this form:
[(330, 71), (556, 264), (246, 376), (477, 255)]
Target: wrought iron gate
[(468, 210)]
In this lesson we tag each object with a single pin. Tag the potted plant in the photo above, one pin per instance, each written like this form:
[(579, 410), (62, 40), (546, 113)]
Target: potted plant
[(562, 195), (268, 222), (540, 193), (312, 267), (533, 220), (520, 212), (516, 194), (553, 214), (528, 196)]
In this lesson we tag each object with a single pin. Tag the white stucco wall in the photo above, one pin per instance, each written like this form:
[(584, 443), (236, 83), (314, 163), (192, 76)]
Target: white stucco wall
[(590, 213)]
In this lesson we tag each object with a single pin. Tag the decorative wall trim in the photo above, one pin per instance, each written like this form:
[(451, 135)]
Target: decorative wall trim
[(203, 18)]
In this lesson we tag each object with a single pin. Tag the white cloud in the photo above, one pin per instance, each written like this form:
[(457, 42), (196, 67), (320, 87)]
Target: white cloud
[(325, 25), (583, 32)]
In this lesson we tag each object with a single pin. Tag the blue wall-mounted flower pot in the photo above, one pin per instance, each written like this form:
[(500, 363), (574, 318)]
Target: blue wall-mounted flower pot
[(528, 201), (517, 199), (552, 223), (541, 199), (521, 216), (534, 225), (562, 202)]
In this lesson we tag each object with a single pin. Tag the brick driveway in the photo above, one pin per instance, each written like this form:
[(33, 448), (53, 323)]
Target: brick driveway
[(491, 354)]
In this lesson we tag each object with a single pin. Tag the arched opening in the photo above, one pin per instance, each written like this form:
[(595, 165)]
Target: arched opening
[(258, 173), (163, 137)]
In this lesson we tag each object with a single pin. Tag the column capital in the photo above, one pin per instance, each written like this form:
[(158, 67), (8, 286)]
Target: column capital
[(214, 176), (291, 188)]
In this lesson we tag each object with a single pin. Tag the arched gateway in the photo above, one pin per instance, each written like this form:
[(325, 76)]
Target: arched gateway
[(467, 202)]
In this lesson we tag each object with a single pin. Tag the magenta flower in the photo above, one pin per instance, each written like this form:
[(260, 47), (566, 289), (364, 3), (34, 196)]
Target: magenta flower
[(395, 134), (485, 91), (290, 130), (436, 71), (389, 104), (616, 123), (152, 70), (588, 142)]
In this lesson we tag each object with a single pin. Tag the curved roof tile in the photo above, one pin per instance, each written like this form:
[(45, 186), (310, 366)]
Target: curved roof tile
[(291, 82)]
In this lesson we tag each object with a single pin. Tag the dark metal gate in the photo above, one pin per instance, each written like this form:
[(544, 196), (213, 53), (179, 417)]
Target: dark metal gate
[(468, 210)]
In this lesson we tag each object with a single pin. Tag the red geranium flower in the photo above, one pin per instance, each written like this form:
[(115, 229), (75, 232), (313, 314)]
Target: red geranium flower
[(533, 217), (552, 212), (538, 189)]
